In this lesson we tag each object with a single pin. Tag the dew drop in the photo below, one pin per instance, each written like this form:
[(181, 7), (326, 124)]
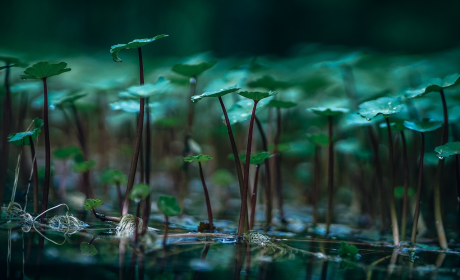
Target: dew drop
[(368, 119), (440, 157)]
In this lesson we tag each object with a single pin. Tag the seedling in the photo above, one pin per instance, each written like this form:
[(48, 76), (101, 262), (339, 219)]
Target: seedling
[(115, 177), (200, 159), (329, 113), (386, 106), (140, 192), (278, 104), (451, 149), (256, 97), (349, 255), (421, 126), (438, 85), (42, 71), (114, 50), (92, 204), (27, 138), (169, 207), (88, 249)]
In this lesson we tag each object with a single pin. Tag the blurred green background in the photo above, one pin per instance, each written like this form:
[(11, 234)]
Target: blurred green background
[(255, 27)]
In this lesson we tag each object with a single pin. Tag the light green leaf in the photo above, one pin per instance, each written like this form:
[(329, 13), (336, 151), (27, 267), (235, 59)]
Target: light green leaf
[(113, 176), (449, 149), (242, 110), (268, 82), (256, 95), (22, 138), (91, 204), (138, 43), (258, 158), (223, 177), (385, 106), (88, 249), (218, 93), (434, 85), (160, 87), (139, 192), (423, 125), (281, 104), (197, 158), (168, 205), (44, 69), (193, 70), (328, 112), (354, 119), (84, 166)]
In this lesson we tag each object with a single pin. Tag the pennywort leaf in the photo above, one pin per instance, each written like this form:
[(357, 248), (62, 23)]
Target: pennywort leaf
[(44, 69), (168, 205), (138, 43), (91, 204)]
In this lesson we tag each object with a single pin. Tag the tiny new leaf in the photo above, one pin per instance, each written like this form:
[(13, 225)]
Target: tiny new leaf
[(193, 70), (423, 125), (138, 43), (168, 205), (88, 249), (139, 192), (91, 204), (257, 95), (23, 138), (385, 106), (347, 251), (217, 93), (449, 149), (44, 69), (197, 158)]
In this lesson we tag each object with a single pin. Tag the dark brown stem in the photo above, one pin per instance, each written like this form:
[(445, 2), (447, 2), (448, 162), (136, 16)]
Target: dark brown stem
[(419, 192), (5, 132), (140, 125), (406, 187), (254, 199), (105, 218), (279, 192), (165, 236), (35, 174), (268, 185), (246, 174), (206, 195), (146, 210), (120, 197), (239, 172), (317, 174), (330, 178), (394, 218), (46, 185)]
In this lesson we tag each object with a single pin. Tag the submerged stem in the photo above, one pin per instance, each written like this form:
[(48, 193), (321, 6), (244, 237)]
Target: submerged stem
[(165, 236), (208, 202), (419, 192), (330, 180), (279, 192), (35, 173), (146, 210), (254, 199), (394, 217), (406, 187)]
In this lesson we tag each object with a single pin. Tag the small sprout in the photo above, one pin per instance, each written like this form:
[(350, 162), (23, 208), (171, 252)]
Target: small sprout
[(449, 149), (88, 249), (385, 106), (139, 192), (269, 83), (168, 205), (114, 50), (281, 104), (23, 138), (43, 70), (423, 125), (256, 95), (328, 112), (347, 251), (92, 204), (193, 70), (218, 93), (197, 158), (84, 166)]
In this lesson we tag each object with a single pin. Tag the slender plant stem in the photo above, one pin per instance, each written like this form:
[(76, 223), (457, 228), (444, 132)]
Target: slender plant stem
[(330, 178), (165, 236), (239, 172), (5, 132), (140, 125), (104, 218), (279, 192), (437, 185), (208, 202), (394, 218), (120, 197), (136, 230), (406, 187), (191, 108), (46, 185), (317, 172), (268, 185), (35, 174), (246, 173), (146, 210), (254, 199), (457, 176), (419, 191)]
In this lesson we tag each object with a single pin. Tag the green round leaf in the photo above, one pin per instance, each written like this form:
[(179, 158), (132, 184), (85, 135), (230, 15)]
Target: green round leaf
[(449, 149), (434, 85), (319, 139), (139, 192), (396, 125), (256, 95), (281, 104), (70, 98), (138, 43), (354, 119), (88, 249), (193, 70), (113, 176), (242, 110), (348, 251), (84, 166), (147, 90), (168, 205), (218, 93), (258, 158), (91, 204), (197, 158), (23, 138), (223, 177), (67, 152), (423, 125), (11, 62), (44, 69), (267, 82), (328, 112), (385, 106)]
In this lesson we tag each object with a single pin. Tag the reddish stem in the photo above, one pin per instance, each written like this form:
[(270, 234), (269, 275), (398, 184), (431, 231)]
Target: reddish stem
[(208, 202), (146, 210), (254, 199), (419, 191), (394, 217), (406, 187), (46, 185), (35, 174), (317, 172), (279, 192), (330, 181)]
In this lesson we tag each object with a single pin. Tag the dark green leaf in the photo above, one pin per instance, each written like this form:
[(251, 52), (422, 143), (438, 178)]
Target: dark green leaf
[(423, 125), (281, 104), (434, 85), (113, 176), (193, 70), (138, 43), (71, 98), (258, 158), (139, 192), (88, 249), (267, 82), (449, 149), (91, 204), (385, 106), (319, 139), (169, 122), (84, 166), (44, 69), (67, 152), (256, 95), (218, 93), (396, 125), (197, 158), (328, 112), (23, 138), (348, 251), (168, 205), (354, 119)]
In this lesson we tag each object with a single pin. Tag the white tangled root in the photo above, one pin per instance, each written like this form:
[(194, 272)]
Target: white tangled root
[(127, 225)]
